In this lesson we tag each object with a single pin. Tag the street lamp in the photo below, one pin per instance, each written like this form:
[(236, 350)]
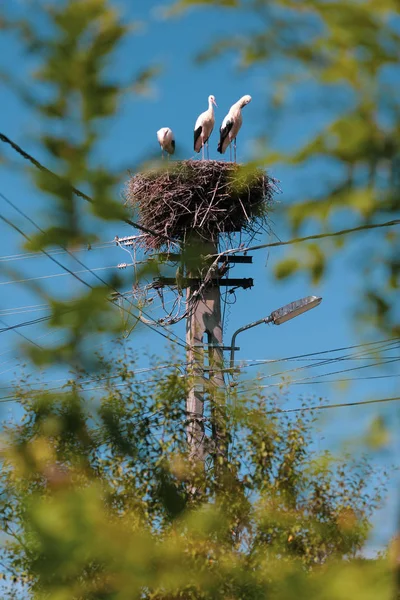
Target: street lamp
[(277, 317)]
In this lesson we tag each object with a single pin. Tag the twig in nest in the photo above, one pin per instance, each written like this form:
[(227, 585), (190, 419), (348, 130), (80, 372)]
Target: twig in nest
[(204, 197), (245, 213)]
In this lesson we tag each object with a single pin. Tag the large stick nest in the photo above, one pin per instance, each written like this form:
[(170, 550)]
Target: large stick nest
[(206, 197)]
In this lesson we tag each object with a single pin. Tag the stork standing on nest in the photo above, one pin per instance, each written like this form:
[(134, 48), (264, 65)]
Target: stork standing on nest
[(231, 125), (203, 127), (166, 140)]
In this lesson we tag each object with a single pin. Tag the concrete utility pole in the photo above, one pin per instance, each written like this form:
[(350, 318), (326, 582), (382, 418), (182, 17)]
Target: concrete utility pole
[(204, 329), (203, 325)]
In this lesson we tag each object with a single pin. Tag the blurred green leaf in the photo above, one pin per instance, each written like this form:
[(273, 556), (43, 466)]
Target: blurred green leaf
[(286, 267), (378, 435)]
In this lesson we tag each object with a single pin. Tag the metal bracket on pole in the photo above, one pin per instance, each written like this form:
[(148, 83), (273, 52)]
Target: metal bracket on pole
[(225, 348), (231, 259), (245, 283)]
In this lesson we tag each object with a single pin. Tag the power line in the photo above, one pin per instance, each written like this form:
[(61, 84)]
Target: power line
[(6, 399), (13, 350), (316, 236), (180, 343), (339, 405), (140, 371), (330, 361), (77, 192), (344, 380), (41, 277), (23, 336), (312, 380), (20, 310), (140, 381), (28, 255), (275, 360), (3, 218), (25, 324), (254, 362), (96, 380), (21, 212), (297, 381)]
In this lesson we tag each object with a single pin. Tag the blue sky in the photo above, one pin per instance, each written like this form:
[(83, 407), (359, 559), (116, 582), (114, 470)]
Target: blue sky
[(178, 96)]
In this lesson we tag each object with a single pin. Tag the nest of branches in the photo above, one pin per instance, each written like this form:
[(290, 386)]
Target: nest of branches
[(206, 197)]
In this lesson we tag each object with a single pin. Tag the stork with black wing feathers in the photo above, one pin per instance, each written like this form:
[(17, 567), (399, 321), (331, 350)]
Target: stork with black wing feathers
[(231, 125), (203, 127)]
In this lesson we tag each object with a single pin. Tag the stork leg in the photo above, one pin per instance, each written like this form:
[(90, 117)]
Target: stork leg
[(162, 154), (230, 152), (234, 148), (208, 152), (202, 148)]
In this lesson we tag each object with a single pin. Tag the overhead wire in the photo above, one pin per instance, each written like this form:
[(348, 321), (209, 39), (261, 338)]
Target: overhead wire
[(12, 359), (275, 360), (316, 236), (168, 337), (23, 336), (141, 381), (20, 310), (347, 379), (6, 399), (28, 255), (140, 371), (25, 324), (41, 277), (283, 359), (77, 192), (377, 344), (10, 349), (338, 405), (178, 365), (310, 379), (313, 377), (284, 374)]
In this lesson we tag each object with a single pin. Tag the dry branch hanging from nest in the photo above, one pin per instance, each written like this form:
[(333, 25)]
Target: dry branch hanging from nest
[(207, 197)]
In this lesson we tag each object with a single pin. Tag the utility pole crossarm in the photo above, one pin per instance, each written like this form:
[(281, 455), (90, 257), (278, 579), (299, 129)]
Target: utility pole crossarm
[(174, 257), (245, 283)]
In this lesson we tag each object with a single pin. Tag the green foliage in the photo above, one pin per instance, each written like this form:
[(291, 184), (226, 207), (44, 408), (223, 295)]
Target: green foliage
[(286, 267), (73, 92), (97, 502)]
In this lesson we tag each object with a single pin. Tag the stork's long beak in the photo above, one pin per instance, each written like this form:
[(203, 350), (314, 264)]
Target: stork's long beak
[(215, 104)]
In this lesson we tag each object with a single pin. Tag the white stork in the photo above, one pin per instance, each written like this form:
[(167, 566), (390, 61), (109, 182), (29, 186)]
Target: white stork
[(166, 140), (231, 125), (203, 127)]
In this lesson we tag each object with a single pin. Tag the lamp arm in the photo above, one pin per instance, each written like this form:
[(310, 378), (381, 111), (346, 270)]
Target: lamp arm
[(244, 328)]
